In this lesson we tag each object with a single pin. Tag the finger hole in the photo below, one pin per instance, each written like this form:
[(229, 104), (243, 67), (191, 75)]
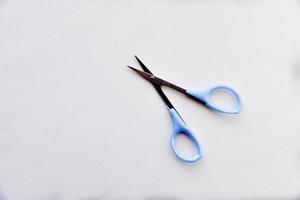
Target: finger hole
[(185, 146), (223, 98)]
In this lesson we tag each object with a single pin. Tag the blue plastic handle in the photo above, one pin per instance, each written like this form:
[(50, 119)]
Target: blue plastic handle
[(179, 127), (205, 96)]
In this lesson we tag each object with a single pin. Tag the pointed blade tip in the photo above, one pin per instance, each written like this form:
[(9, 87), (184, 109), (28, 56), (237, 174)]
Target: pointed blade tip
[(131, 68), (137, 58)]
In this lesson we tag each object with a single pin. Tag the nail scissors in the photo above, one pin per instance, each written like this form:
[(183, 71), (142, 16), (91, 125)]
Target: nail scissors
[(201, 96)]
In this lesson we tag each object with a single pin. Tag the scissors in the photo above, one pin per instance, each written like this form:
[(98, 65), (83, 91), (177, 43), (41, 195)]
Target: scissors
[(201, 96)]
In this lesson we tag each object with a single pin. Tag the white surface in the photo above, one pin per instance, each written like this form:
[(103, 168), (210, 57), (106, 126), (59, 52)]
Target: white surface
[(75, 124)]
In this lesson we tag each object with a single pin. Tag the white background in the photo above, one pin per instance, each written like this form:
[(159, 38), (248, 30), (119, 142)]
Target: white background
[(76, 124)]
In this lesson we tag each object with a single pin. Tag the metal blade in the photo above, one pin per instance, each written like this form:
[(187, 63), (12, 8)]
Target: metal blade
[(158, 81), (155, 84), (143, 66), (145, 75)]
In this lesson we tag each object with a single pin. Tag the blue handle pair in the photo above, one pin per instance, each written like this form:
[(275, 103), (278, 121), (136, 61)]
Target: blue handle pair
[(179, 126)]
